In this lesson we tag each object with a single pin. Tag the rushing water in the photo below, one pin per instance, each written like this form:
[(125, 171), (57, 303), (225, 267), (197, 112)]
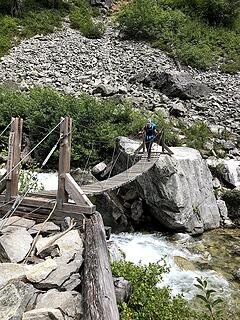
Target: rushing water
[(210, 256), (187, 258)]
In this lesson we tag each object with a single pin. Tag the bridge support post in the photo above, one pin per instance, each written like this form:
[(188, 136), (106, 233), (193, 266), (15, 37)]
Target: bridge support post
[(14, 156), (64, 159)]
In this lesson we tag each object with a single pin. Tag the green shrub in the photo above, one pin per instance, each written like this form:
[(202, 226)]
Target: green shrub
[(82, 20), (8, 28), (214, 12), (197, 135), (94, 121), (148, 301), (172, 26), (42, 22)]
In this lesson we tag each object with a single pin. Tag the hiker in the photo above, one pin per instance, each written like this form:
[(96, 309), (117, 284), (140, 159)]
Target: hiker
[(150, 133)]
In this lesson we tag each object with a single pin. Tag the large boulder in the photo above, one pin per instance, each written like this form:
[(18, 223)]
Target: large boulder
[(14, 244), (112, 211), (228, 171), (69, 302), (232, 199), (174, 84), (43, 314), (12, 271), (14, 298), (177, 190)]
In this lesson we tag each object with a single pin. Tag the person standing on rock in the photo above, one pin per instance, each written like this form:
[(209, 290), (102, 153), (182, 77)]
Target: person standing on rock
[(150, 133)]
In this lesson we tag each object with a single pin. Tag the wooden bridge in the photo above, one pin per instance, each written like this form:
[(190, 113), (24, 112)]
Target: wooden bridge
[(123, 178), (100, 302)]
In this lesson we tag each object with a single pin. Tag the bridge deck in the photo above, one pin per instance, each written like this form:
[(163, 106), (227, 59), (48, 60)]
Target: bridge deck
[(122, 178)]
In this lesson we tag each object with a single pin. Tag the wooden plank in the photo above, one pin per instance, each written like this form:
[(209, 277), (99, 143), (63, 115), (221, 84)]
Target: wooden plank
[(75, 192), (99, 300), (42, 194), (40, 215), (67, 207)]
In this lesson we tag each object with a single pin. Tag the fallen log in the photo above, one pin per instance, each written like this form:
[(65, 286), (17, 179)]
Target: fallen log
[(99, 300)]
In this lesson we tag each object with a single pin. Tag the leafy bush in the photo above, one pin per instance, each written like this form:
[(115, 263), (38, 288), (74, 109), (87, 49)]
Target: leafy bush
[(95, 122), (8, 28), (148, 301), (81, 19), (171, 25), (207, 295), (214, 12), (42, 22), (197, 135)]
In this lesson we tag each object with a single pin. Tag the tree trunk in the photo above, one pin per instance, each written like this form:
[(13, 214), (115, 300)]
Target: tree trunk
[(16, 7)]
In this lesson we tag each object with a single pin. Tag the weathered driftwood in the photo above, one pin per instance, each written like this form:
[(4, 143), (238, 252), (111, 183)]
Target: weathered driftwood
[(99, 298)]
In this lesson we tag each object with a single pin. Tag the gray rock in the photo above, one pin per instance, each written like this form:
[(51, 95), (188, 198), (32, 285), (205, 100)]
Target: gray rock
[(178, 110), (52, 251), (131, 195), (14, 244), (216, 183), (176, 84), (69, 302), (122, 289), (66, 266), (105, 90), (14, 298), (115, 253), (112, 211), (49, 227), (99, 168), (224, 213), (83, 63), (82, 177), (72, 283), (178, 192), (16, 221), (40, 271), (43, 314), (226, 170), (68, 243), (12, 271), (137, 211)]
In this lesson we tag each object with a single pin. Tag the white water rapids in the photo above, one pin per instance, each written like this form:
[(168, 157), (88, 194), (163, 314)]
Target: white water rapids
[(155, 247)]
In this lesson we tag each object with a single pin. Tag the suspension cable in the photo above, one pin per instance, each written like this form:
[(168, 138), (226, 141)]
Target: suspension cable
[(31, 151), (6, 128)]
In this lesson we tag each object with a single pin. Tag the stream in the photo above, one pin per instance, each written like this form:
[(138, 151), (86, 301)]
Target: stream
[(209, 256)]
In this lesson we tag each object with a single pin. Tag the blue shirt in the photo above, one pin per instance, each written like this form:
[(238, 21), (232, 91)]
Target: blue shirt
[(150, 132)]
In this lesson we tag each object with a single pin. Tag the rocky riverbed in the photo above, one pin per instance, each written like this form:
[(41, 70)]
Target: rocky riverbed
[(72, 63), (212, 256)]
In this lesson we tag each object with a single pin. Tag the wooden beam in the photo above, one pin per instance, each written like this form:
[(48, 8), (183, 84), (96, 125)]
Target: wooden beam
[(41, 214), (3, 184), (64, 159), (99, 300), (75, 192), (44, 202)]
